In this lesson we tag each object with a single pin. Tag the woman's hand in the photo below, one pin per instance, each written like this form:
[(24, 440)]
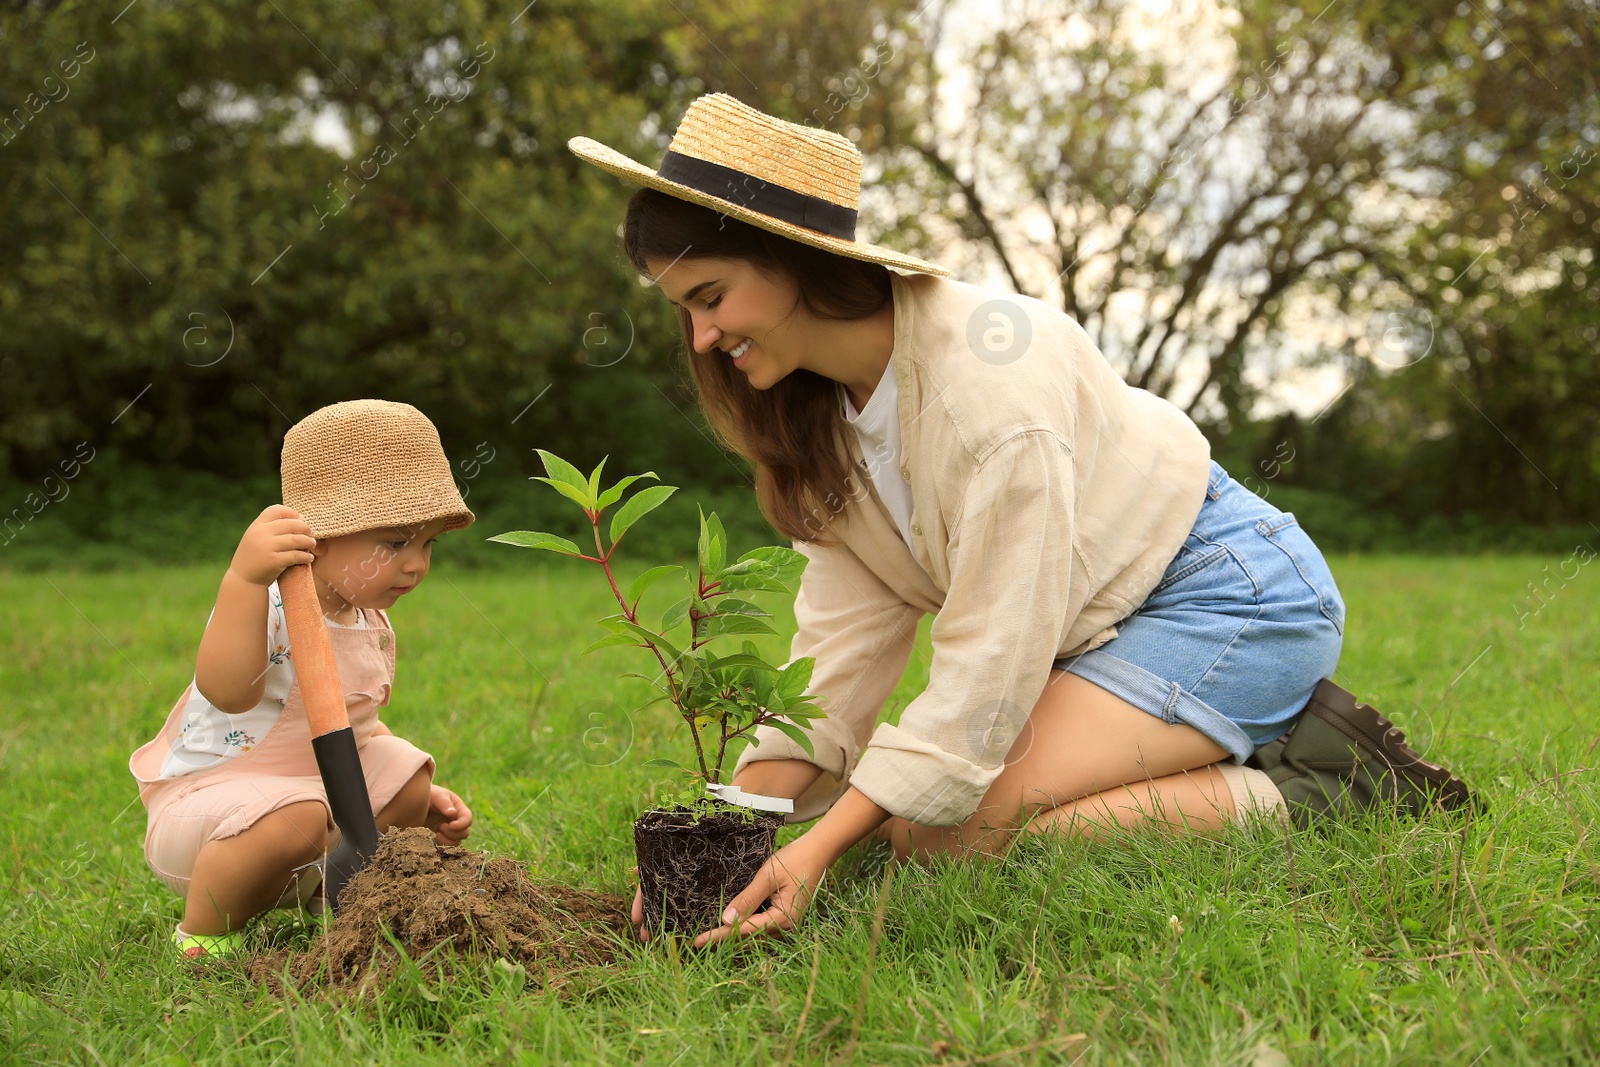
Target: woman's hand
[(789, 880), (448, 816), (786, 882), (276, 541), (771, 778)]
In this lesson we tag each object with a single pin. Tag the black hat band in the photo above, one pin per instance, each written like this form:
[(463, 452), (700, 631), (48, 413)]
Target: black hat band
[(764, 197)]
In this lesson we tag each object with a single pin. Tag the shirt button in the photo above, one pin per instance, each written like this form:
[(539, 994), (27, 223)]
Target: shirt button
[(916, 528), (905, 472)]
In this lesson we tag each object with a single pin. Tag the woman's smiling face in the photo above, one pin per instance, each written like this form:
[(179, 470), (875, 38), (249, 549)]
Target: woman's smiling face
[(738, 313)]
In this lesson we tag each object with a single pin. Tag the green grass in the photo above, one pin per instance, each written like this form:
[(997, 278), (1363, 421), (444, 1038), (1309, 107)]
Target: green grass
[(1415, 943)]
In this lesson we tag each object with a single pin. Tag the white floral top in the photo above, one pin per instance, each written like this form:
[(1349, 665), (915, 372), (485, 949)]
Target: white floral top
[(209, 734)]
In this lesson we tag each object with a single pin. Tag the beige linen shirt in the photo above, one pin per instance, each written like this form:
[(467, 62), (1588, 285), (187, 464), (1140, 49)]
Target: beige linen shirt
[(1049, 497)]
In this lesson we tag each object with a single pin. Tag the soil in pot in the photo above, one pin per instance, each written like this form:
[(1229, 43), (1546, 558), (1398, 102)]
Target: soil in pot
[(422, 896), (691, 865)]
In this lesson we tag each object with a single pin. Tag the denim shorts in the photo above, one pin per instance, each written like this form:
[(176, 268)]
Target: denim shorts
[(1237, 633)]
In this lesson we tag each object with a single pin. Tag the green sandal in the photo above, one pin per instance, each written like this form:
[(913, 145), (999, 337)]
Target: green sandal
[(206, 946), (1342, 757)]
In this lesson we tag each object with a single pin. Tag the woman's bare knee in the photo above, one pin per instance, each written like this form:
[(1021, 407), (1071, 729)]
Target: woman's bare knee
[(1078, 740)]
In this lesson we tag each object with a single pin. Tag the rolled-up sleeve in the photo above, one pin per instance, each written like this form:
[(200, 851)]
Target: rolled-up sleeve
[(861, 633), (1012, 595)]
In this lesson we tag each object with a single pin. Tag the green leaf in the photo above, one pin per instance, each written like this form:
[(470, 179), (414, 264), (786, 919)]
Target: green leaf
[(735, 606), (611, 641), (614, 494), (665, 764), (702, 552), (594, 478), (718, 544), (579, 497), (750, 582), (675, 614), (738, 661), (646, 580), (775, 561), (533, 539), (561, 471), (803, 713), (722, 625), (637, 507), (796, 676), (765, 687), (795, 734), (712, 548)]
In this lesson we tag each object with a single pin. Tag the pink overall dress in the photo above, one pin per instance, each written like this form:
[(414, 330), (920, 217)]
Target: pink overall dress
[(228, 797)]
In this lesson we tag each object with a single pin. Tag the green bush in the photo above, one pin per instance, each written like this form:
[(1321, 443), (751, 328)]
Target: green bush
[(116, 515), (119, 514)]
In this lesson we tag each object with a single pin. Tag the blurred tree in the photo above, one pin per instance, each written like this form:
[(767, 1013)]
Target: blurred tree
[(1179, 180), (1224, 192), (1494, 411), (217, 219), (227, 216)]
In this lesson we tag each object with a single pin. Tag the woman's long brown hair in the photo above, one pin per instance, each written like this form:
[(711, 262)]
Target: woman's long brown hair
[(793, 433)]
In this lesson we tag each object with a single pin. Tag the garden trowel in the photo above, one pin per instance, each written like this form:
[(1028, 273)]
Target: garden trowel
[(331, 737)]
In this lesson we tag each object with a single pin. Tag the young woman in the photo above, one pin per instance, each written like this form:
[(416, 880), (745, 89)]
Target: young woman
[(1118, 626)]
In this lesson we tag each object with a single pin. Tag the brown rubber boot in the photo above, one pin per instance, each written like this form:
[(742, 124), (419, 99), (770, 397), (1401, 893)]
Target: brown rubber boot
[(1342, 757)]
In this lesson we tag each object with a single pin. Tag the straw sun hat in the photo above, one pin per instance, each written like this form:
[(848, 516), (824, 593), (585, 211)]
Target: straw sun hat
[(368, 465), (796, 181)]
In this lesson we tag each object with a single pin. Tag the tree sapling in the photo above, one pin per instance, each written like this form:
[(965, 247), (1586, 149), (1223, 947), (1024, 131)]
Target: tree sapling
[(695, 849)]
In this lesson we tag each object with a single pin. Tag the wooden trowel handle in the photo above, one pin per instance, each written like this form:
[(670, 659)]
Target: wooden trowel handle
[(332, 740), (314, 666)]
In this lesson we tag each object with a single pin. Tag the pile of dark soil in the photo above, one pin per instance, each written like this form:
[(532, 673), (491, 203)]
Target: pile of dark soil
[(428, 897)]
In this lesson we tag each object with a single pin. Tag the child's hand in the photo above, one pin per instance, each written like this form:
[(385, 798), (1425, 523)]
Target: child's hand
[(448, 816), (276, 541)]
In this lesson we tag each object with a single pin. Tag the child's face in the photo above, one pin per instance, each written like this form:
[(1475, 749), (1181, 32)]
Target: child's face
[(375, 568)]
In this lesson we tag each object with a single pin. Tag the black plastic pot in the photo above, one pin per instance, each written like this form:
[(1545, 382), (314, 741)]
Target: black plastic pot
[(690, 867)]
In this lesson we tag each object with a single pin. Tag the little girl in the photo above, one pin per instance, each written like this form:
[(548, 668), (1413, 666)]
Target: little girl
[(239, 818)]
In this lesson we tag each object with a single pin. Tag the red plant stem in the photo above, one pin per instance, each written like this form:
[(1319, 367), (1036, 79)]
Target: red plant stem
[(699, 750), (722, 747), (605, 565), (632, 616), (694, 616)]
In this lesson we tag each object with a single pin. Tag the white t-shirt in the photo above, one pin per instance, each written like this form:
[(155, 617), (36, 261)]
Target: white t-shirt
[(877, 427), (209, 734)]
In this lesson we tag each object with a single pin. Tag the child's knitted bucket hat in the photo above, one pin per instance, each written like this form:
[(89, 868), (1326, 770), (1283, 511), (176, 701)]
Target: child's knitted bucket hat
[(368, 465)]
